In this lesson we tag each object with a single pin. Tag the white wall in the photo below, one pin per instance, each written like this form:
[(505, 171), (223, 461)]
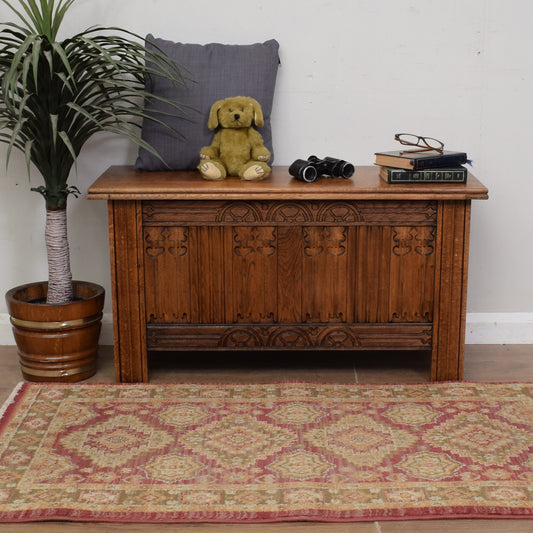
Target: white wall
[(353, 73)]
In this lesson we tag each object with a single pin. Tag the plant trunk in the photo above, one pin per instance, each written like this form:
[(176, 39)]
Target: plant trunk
[(59, 274)]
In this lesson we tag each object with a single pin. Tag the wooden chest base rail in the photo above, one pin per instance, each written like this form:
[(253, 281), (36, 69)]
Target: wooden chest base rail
[(298, 336), (353, 264)]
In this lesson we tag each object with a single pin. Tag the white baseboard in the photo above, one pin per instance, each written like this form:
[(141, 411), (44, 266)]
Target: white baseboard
[(481, 328), (499, 328)]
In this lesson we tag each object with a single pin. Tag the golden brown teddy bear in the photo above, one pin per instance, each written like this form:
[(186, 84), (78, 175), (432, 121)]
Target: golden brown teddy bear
[(237, 148)]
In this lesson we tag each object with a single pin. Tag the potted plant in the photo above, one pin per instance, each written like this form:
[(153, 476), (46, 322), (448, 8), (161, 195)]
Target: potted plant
[(54, 96)]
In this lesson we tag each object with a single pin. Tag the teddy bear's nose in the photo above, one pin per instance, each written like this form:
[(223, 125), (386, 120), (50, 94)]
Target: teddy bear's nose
[(236, 116)]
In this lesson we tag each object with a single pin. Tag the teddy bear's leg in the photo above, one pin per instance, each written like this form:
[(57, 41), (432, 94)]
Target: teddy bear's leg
[(254, 171), (212, 170)]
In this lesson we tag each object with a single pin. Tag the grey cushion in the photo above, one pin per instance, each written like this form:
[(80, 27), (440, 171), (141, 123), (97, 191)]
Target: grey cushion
[(218, 71)]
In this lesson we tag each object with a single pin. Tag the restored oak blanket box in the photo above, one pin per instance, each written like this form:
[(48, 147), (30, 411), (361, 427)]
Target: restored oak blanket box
[(338, 264)]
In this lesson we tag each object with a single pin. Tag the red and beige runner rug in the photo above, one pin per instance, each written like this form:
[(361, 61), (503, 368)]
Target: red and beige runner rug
[(266, 452)]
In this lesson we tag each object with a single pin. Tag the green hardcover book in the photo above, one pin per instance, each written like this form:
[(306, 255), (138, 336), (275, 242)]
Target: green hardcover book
[(438, 175)]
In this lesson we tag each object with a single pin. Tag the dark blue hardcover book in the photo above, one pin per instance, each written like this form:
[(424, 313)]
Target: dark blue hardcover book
[(420, 160)]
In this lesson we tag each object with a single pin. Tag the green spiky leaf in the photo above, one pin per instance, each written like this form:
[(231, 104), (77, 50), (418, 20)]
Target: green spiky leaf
[(55, 95)]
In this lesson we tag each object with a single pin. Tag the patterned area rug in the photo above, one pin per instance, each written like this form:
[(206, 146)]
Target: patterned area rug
[(269, 452)]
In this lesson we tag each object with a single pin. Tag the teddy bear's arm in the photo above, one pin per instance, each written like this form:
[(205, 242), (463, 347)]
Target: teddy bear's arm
[(213, 150), (259, 151)]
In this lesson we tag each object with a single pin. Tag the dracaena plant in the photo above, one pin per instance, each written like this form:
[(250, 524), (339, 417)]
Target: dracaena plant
[(56, 94)]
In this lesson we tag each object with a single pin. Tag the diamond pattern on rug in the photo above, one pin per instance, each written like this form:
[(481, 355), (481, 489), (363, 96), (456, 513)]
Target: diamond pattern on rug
[(479, 438), (412, 414), (429, 465), (266, 452), (184, 415), (237, 440), (300, 464), (115, 441), (360, 440), (173, 468), (296, 413)]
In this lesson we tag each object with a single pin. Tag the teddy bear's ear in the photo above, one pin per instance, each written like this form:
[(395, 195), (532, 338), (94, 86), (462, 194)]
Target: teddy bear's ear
[(258, 113), (212, 122)]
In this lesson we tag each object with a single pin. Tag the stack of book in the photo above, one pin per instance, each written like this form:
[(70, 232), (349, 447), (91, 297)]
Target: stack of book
[(430, 166)]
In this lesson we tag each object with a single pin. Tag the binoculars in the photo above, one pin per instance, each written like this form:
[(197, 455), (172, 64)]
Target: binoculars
[(312, 168)]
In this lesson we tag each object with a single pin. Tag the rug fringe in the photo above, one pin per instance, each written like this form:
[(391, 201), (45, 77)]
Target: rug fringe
[(11, 399)]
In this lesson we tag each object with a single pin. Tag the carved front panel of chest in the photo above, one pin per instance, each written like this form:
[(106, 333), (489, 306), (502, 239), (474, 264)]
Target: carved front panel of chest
[(214, 262)]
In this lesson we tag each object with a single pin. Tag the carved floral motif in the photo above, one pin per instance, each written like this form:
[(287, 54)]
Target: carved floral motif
[(255, 239), (290, 212), (238, 212), (419, 239), (327, 239), (241, 338), (339, 213), (289, 338), (318, 337), (307, 212), (339, 338), (424, 240), (153, 237), (161, 239)]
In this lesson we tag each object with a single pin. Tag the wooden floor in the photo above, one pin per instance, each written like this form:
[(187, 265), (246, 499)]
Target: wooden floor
[(482, 363)]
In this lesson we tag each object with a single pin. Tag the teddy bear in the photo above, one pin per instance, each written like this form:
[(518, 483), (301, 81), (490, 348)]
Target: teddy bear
[(237, 148)]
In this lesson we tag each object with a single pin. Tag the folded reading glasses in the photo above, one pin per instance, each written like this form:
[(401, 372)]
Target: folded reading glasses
[(423, 144)]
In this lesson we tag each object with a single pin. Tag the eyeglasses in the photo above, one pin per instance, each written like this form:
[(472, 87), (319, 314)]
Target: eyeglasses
[(424, 144)]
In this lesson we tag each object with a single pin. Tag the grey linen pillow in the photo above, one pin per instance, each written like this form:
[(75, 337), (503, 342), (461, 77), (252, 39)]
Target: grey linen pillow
[(217, 71)]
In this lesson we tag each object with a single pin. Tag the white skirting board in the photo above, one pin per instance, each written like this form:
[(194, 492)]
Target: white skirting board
[(481, 328), (499, 328)]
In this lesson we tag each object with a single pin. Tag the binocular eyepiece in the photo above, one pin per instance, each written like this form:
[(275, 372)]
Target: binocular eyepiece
[(312, 168)]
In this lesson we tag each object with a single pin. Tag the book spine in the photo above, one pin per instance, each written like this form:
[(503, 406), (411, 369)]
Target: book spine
[(393, 175)]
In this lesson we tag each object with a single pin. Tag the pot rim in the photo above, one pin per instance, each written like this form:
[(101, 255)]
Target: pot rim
[(91, 304)]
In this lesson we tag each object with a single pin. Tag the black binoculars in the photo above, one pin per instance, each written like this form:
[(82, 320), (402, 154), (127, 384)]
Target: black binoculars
[(312, 168)]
